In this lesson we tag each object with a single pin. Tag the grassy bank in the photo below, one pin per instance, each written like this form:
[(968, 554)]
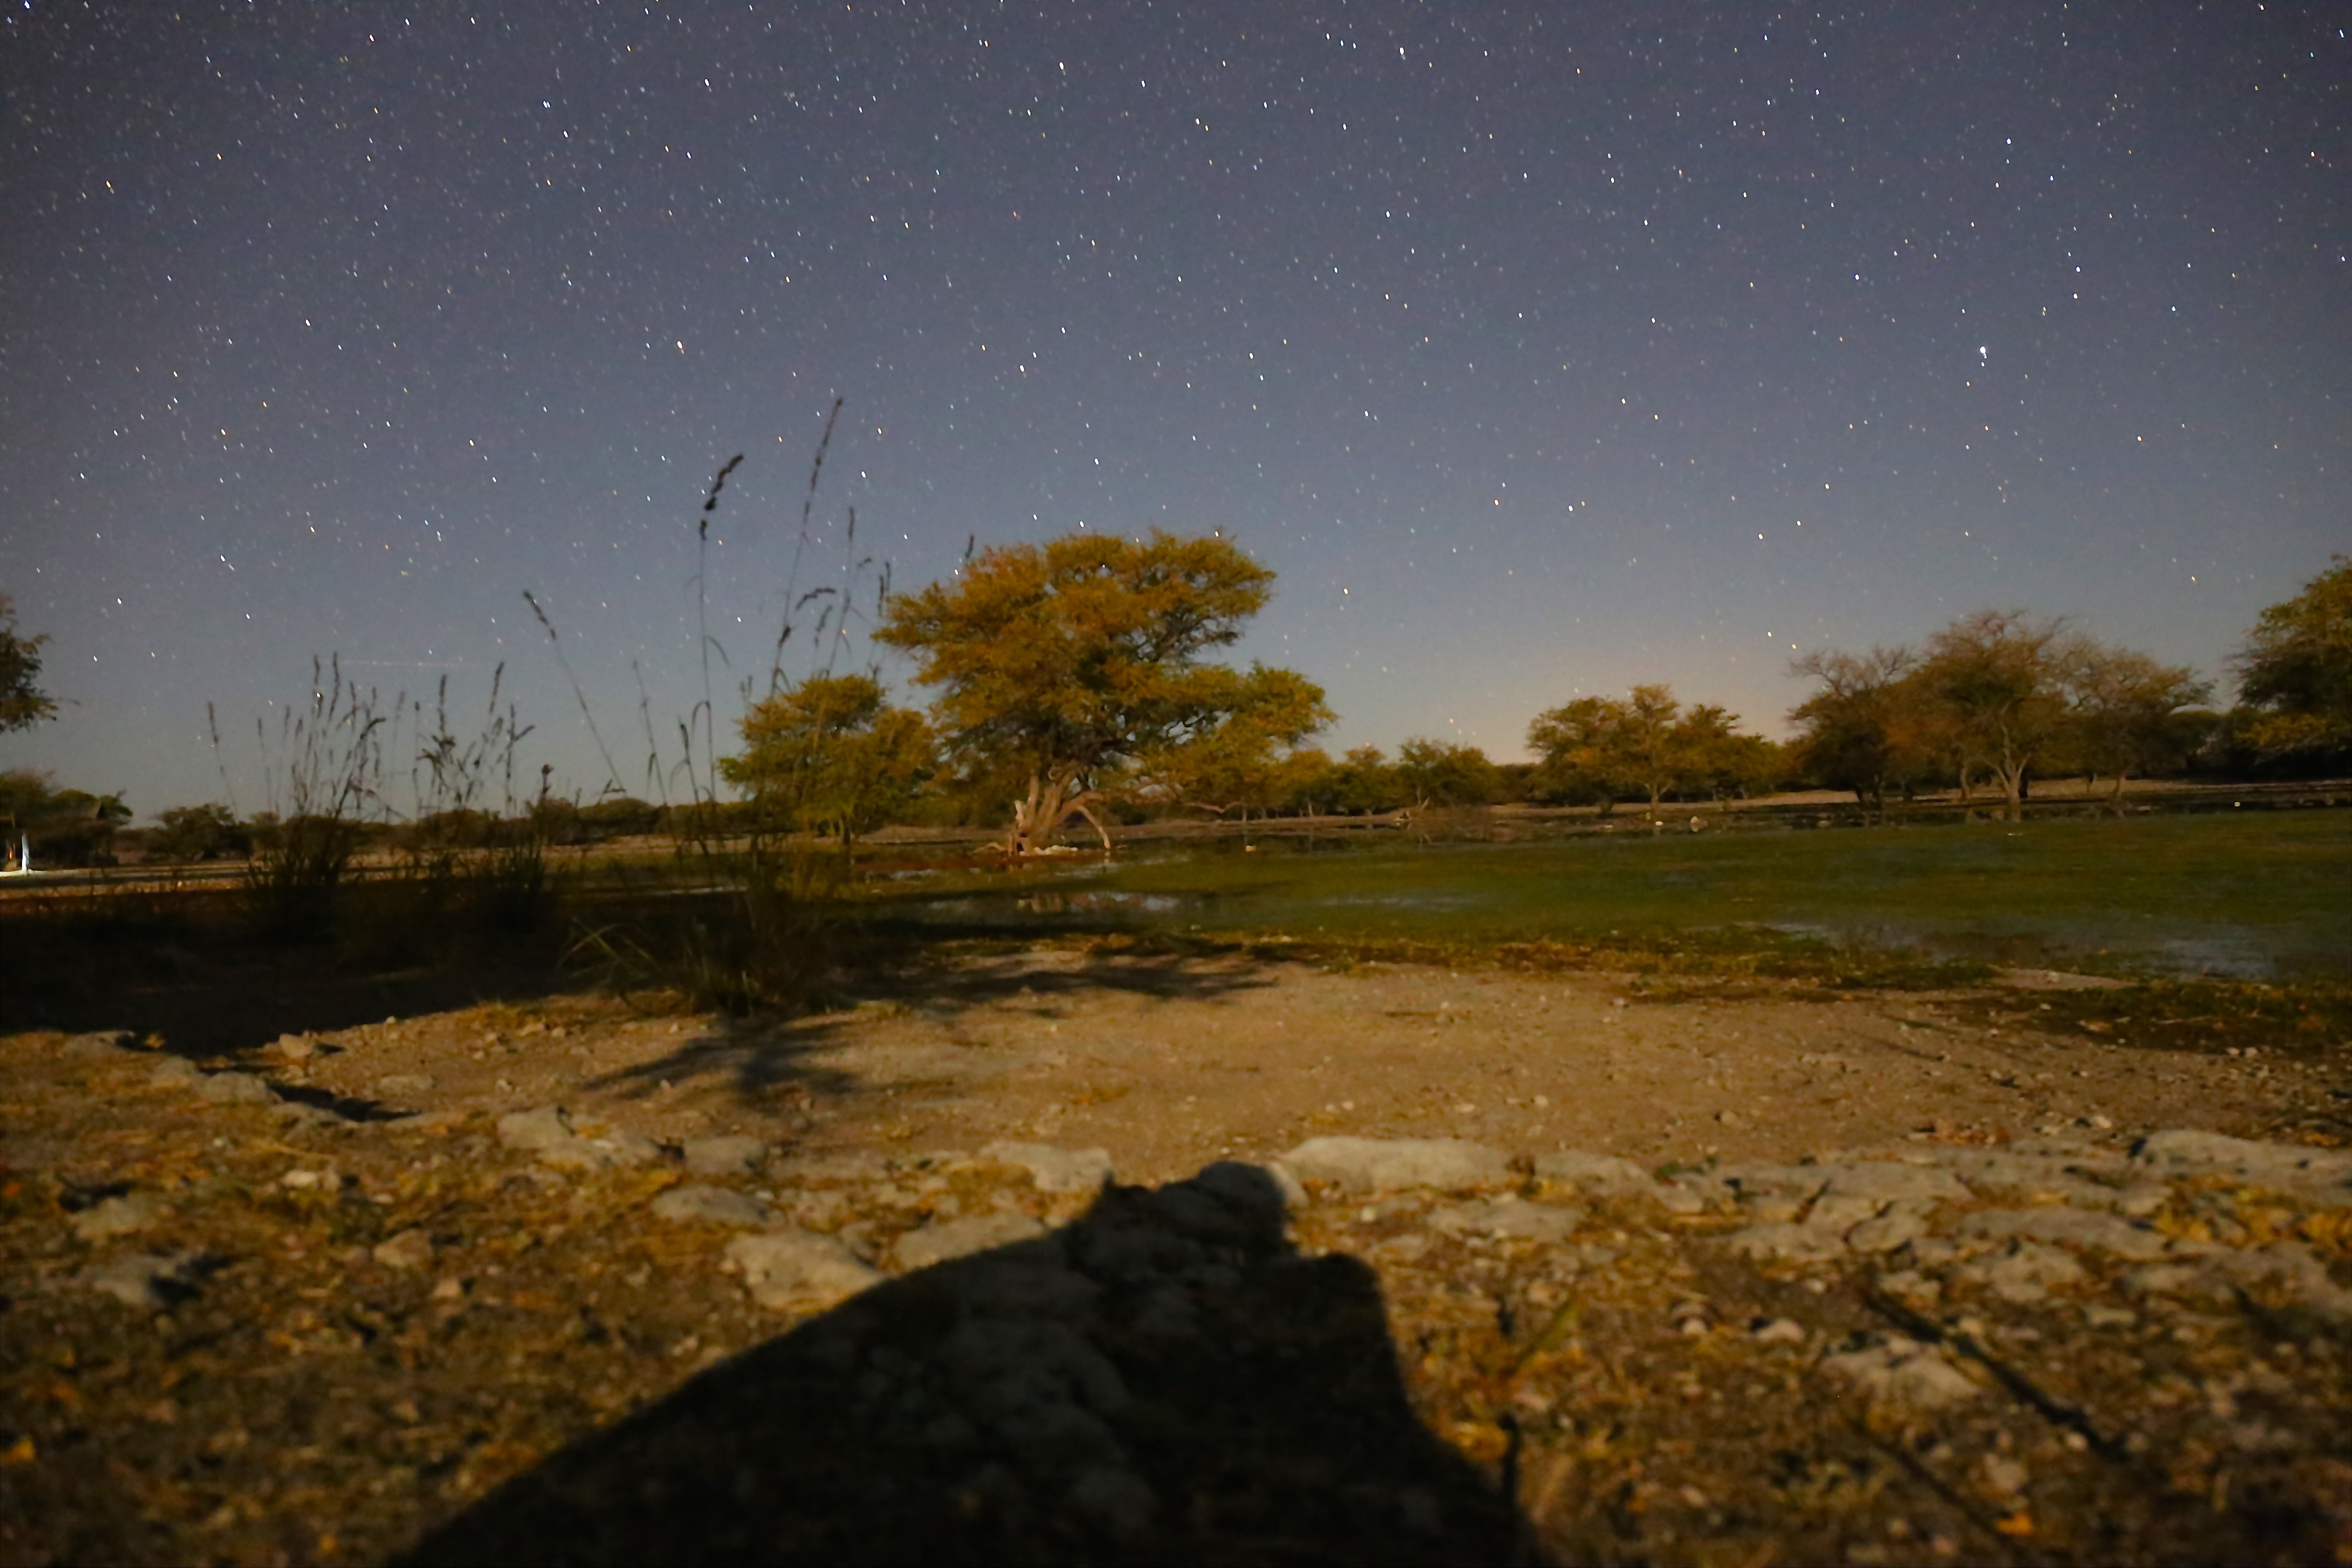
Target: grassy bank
[(2249, 897)]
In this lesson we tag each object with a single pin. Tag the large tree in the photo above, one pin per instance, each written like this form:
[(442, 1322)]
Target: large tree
[(830, 755), (1061, 666), (2127, 714), (2295, 673), (1852, 732), (1997, 679), (1643, 741), (22, 703), (1251, 761), (1445, 773)]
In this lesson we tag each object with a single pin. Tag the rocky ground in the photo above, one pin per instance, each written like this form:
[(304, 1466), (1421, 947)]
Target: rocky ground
[(1073, 1253)]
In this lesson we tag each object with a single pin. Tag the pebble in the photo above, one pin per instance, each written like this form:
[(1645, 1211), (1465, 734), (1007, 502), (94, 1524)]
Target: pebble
[(732, 1154), (409, 1250), (123, 1214), (149, 1280), (96, 1046), (237, 1089), (1899, 1370)]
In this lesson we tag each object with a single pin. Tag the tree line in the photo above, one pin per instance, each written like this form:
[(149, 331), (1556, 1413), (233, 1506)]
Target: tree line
[(1074, 682)]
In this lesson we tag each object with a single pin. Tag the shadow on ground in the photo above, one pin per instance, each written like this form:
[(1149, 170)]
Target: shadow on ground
[(1162, 1380), (759, 1057)]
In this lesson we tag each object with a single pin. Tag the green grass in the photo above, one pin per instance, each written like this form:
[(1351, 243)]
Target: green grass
[(2249, 896)]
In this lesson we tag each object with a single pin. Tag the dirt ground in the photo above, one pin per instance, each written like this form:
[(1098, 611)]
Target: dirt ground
[(1171, 1063), (364, 1311)]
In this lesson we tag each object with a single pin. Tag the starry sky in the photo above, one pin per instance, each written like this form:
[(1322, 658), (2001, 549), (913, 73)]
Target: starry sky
[(1540, 349)]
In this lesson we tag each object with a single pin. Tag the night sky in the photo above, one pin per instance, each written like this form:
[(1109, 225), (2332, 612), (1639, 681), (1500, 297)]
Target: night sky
[(1539, 349)]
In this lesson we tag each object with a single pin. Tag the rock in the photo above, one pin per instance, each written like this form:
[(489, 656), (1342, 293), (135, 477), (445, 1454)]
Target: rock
[(2004, 1477), (1902, 1372), (1244, 1187), (1380, 1165), (1779, 1331), (409, 1250), (2321, 1174), (144, 1280), (98, 1046), (1118, 1502), (602, 1151), (424, 1122), (1508, 1216), (1882, 1182), (1800, 1182), (294, 1047), (712, 1206), (547, 1131), (1056, 1170), (798, 1268), (2023, 1272), (174, 1072), (1841, 1211), (393, 1085), (962, 1237), (1795, 1242), (813, 1169), (122, 1215), (732, 1154), (543, 1128), (1602, 1174), (2068, 1226), (2225, 1274), (237, 1089), (1898, 1227)]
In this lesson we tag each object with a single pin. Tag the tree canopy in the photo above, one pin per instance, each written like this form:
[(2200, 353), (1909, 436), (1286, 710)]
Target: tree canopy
[(1063, 666), (1996, 694), (831, 756), (2296, 671), (1645, 742), (23, 704)]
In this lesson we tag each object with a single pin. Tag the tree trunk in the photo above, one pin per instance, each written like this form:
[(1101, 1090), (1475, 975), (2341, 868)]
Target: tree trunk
[(1050, 801)]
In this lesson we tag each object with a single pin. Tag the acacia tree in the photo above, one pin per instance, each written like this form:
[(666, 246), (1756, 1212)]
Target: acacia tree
[(1643, 741), (2295, 673), (831, 756), (2127, 712), (1997, 679), (1061, 666), (1364, 781), (1852, 730), (1250, 760), (1578, 745), (1444, 773), (22, 703)]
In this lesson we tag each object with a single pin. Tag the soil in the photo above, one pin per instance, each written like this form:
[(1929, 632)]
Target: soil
[(369, 1312)]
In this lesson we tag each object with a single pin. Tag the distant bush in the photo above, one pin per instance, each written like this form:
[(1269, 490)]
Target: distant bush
[(189, 833)]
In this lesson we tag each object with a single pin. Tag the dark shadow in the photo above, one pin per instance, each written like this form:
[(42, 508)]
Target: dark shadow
[(180, 966), (1163, 1381), (761, 1058)]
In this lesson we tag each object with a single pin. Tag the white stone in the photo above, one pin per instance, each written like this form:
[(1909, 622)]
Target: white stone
[(1056, 1170), (1379, 1165), (791, 1267)]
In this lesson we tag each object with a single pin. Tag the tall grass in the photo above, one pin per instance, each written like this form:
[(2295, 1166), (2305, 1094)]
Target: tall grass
[(324, 781), (760, 931)]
